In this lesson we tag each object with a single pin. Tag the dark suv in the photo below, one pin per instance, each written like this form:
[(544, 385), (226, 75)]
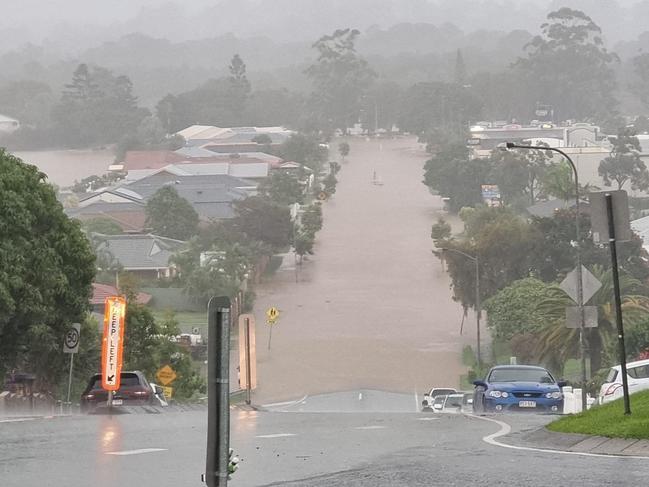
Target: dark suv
[(134, 390)]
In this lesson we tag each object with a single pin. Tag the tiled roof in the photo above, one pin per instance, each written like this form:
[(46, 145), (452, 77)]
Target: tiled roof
[(150, 159), (102, 291)]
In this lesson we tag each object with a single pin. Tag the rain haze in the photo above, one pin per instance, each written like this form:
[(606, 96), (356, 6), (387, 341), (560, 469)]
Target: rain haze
[(298, 242)]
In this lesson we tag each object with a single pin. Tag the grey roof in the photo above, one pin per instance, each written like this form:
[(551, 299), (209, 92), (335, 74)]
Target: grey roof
[(208, 182), (102, 206), (139, 252), (194, 152), (641, 227), (546, 209)]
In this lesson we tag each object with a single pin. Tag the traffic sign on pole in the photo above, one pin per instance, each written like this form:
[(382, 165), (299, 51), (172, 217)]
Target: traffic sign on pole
[(71, 340), (599, 216), (166, 375), (112, 346), (590, 284), (272, 315)]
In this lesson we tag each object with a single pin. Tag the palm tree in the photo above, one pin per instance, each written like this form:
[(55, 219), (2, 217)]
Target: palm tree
[(557, 343)]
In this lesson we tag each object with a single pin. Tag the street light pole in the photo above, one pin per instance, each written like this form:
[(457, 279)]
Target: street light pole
[(580, 283), (478, 305)]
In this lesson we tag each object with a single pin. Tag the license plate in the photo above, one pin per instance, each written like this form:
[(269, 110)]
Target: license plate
[(527, 404), (119, 402)]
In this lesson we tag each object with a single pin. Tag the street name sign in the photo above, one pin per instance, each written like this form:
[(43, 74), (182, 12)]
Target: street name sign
[(112, 346), (71, 340)]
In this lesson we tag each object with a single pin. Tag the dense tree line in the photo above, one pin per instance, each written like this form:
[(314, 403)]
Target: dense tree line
[(566, 66)]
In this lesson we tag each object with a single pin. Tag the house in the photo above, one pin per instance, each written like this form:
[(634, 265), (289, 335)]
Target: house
[(8, 124), (147, 256), (211, 196), (641, 227), (233, 139), (102, 291), (547, 209)]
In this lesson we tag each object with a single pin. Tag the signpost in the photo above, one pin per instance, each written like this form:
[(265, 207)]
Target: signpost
[(610, 222), (112, 346), (218, 392), (247, 355), (71, 346), (272, 315)]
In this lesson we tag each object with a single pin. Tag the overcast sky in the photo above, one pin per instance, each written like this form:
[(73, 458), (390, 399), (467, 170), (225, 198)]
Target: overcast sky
[(67, 23)]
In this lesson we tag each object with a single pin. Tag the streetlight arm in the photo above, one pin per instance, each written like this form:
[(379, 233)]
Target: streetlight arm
[(511, 145), (468, 256)]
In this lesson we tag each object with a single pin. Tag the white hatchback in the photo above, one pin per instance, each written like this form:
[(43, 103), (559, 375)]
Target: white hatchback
[(637, 376)]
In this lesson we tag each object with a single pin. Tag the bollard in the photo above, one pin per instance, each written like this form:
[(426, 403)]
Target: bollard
[(578, 400)]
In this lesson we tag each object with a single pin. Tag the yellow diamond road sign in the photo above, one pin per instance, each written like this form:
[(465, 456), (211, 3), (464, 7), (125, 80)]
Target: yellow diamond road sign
[(166, 375), (272, 315)]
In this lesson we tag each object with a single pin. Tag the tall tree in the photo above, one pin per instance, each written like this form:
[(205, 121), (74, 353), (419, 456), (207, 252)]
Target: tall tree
[(239, 87), (624, 164), (170, 215), (569, 68), (340, 77), (453, 174), (459, 75), (263, 220), (46, 271)]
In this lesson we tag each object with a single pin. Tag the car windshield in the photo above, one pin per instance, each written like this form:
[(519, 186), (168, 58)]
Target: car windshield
[(300, 232), (520, 375)]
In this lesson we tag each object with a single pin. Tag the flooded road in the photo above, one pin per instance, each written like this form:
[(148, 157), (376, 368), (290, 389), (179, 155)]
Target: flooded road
[(64, 167), (372, 308)]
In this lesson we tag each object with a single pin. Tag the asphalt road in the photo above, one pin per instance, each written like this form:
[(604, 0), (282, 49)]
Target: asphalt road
[(281, 447)]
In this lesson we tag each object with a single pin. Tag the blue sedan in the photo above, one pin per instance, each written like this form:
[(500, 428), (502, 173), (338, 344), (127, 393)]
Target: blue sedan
[(518, 388)]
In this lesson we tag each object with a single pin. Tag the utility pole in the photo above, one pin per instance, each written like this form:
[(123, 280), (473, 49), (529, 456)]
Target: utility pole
[(218, 392), (618, 301)]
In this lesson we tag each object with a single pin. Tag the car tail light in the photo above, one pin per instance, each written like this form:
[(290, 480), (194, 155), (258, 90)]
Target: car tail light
[(89, 396), (610, 390), (141, 393)]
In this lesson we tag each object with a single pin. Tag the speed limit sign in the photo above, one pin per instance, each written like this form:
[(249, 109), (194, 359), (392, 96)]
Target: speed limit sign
[(72, 337)]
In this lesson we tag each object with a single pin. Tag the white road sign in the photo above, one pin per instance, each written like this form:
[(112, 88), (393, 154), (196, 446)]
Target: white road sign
[(71, 340), (589, 282)]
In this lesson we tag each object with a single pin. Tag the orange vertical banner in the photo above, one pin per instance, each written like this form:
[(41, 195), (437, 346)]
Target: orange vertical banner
[(112, 346)]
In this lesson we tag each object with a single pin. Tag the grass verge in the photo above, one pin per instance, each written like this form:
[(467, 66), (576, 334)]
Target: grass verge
[(609, 420)]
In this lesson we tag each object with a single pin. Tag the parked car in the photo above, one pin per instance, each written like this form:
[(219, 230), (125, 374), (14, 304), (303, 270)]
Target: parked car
[(518, 388), (438, 403), (427, 403), (637, 377), (453, 403), (134, 390)]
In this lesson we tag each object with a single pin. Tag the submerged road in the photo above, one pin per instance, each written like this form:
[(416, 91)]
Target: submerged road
[(372, 308)]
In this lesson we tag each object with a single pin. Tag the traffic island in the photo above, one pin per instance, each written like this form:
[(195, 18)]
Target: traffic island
[(603, 429)]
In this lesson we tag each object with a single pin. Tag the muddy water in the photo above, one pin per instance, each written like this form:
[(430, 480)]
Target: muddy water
[(63, 167), (372, 308)]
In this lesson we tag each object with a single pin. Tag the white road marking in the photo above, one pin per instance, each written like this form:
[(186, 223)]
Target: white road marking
[(16, 420), (360, 396), (416, 402), (287, 403), (135, 452), (276, 435), (373, 427), (427, 419), (505, 429)]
